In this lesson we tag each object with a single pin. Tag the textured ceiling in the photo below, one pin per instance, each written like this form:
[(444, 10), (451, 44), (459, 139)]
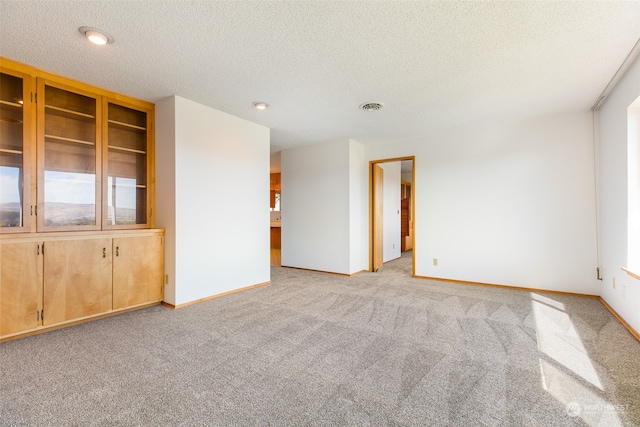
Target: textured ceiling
[(435, 65)]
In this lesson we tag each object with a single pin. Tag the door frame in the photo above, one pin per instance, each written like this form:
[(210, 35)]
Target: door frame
[(413, 208)]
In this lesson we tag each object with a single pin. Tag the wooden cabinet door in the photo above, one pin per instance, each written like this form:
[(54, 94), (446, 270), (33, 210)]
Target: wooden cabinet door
[(77, 279), (69, 158), (138, 270), (128, 173), (20, 287), (17, 151)]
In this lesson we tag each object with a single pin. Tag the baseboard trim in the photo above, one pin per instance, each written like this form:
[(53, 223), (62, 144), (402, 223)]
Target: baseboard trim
[(517, 288), (620, 319), (198, 301), (323, 271), (68, 323)]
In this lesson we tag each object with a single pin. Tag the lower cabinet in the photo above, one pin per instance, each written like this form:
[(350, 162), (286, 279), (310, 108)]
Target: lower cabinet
[(20, 287), (77, 279), (136, 276), (48, 281)]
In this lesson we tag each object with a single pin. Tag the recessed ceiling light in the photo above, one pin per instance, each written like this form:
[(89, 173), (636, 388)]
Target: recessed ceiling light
[(261, 105), (371, 106), (96, 36)]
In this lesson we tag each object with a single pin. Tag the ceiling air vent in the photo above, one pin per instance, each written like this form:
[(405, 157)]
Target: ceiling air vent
[(371, 106)]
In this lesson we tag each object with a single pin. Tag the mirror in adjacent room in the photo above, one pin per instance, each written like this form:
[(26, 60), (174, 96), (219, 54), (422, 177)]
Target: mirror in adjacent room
[(274, 193)]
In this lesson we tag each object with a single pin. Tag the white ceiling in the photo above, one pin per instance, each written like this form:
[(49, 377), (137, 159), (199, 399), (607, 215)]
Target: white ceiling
[(435, 65)]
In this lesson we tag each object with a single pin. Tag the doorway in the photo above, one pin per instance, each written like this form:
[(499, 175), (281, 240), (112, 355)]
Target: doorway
[(406, 210)]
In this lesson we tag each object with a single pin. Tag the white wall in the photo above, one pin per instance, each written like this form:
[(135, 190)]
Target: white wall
[(212, 194), (612, 180), (358, 208), (510, 203), (165, 160), (318, 183), (391, 211)]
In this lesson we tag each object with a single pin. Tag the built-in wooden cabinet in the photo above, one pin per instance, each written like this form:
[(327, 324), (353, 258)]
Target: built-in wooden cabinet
[(50, 280), (76, 202), (276, 237), (72, 157)]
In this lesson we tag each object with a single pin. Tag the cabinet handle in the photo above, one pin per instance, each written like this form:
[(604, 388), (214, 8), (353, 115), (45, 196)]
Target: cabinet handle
[(117, 251), (104, 252), (38, 251)]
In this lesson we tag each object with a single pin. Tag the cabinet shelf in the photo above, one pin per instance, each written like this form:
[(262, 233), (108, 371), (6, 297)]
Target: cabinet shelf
[(9, 151), (4, 103), (69, 113), (11, 112), (127, 150), (63, 139), (129, 126)]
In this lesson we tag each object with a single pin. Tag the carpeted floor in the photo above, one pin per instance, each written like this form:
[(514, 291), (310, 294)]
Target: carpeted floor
[(314, 349)]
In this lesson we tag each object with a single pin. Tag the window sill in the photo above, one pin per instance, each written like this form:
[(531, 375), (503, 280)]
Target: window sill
[(631, 273)]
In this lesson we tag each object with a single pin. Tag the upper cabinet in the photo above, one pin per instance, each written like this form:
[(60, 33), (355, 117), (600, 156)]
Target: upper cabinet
[(68, 158), (16, 149), (72, 157), (127, 176)]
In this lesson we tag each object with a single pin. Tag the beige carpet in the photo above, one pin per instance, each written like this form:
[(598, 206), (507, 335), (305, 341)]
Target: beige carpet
[(314, 349)]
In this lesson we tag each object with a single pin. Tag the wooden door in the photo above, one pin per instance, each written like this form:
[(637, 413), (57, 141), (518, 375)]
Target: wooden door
[(377, 177), (404, 217), (77, 279), (138, 270), (20, 287)]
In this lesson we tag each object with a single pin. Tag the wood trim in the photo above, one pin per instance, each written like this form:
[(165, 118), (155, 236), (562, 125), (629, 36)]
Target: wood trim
[(377, 231), (358, 272), (631, 273), (78, 235), (73, 322), (76, 84), (325, 272), (413, 207), (28, 147), (223, 294), (620, 319), (517, 288), (84, 90)]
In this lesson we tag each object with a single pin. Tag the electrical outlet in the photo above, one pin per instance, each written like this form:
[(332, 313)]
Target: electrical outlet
[(394, 246), (435, 262), (613, 282)]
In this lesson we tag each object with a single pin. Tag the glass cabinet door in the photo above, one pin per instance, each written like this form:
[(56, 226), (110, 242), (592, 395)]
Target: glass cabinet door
[(15, 152), (126, 175), (68, 159)]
